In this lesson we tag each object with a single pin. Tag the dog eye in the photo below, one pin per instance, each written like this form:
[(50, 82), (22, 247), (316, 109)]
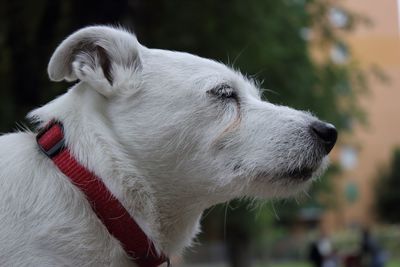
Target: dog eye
[(223, 91)]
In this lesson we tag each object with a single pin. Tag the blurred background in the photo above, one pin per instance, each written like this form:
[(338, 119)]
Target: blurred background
[(338, 59)]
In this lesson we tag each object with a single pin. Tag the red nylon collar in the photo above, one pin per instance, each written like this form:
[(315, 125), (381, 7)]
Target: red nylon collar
[(108, 209)]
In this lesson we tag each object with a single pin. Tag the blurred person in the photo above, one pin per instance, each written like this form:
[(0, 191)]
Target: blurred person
[(315, 256), (371, 254), (322, 253)]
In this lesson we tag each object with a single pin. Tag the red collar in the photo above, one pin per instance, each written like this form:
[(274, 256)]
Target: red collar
[(109, 210)]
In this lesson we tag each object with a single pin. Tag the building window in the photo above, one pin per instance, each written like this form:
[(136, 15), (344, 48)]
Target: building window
[(348, 157), (339, 53), (352, 192), (338, 17)]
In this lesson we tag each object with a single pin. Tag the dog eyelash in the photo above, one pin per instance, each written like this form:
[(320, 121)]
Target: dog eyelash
[(223, 91)]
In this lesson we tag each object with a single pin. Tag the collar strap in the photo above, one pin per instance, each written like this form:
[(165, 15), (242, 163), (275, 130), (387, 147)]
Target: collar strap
[(107, 208)]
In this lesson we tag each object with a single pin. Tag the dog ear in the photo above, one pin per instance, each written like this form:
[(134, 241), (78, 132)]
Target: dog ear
[(96, 55)]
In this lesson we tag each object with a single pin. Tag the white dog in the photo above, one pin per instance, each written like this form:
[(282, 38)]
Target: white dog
[(168, 133)]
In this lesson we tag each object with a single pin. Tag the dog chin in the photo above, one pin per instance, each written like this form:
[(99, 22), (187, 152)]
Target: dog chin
[(306, 173), (288, 183)]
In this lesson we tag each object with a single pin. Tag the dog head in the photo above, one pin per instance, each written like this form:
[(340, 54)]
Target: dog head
[(192, 125)]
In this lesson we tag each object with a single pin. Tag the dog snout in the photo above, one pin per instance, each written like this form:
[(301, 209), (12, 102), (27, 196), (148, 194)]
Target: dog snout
[(326, 134)]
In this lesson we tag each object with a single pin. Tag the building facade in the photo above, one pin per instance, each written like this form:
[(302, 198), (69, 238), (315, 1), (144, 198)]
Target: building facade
[(368, 149)]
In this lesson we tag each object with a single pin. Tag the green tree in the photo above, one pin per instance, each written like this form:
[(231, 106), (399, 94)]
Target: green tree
[(388, 191)]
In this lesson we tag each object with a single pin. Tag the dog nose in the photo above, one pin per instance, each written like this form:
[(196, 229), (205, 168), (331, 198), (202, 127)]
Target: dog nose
[(326, 133)]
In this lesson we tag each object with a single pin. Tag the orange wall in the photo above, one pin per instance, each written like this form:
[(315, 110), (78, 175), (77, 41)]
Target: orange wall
[(378, 45)]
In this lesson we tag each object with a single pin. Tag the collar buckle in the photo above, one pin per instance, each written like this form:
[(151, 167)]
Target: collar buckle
[(52, 147)]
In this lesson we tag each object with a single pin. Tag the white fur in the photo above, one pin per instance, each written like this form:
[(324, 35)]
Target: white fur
[(163, 146)]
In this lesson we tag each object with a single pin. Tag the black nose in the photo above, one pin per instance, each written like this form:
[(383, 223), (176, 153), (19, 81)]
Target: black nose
[(326, 133)]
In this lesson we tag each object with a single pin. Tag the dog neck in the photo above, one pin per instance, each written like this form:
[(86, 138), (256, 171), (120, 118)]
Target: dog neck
[(108, 209), (170, 221)]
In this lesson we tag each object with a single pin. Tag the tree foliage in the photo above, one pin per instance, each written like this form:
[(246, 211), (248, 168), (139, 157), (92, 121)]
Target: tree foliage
[(388, 191), (262, 38)]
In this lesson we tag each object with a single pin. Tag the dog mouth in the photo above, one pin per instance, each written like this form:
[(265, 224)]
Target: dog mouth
[(302, 174), (296, 175), (293, 174)]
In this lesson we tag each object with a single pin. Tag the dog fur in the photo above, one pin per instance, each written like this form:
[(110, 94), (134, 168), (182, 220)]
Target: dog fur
[(169, 133)]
